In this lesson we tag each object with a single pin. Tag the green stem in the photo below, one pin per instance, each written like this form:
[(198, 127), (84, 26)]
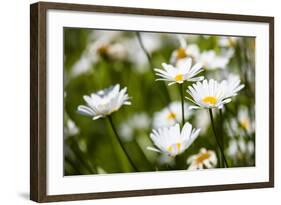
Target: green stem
[(182, 102), (221, 131), (138, 147), (145, 52), (120, 143), (216, 137)]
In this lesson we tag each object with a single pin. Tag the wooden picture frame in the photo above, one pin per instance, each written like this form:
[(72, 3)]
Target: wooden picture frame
[(38, 100)]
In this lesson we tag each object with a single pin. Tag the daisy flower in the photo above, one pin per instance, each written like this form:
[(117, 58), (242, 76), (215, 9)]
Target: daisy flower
[(116, 51), (211, 94), (238, 125), (202, 120), (172, 140), (104, 102), (183, 71), (240, 146), (70, 128), (204, 159), (245, 121), (210, 60), (103, 45), (184, 51), (137, 122), (226, 41), (169, 115)]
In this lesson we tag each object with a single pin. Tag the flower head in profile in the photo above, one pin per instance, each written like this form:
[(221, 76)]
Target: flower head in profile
[(184, 51), (204, 159), (183, 71), (172, 140), (169, 115), (104, 102), (210, 94)]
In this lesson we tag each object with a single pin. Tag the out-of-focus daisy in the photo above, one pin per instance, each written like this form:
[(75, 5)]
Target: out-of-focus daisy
[(172, 140), (204, 159), (137, 122), (170, 115), (140, 121), (183, 71), (104, 44), (238, 147), (228, 41), (83, 65), (184, 51), (243, 122), (70, 128), (202, 120), (126, 132), (116, 51), (151, 41), (209, 94), (100, 170), (210, 60), (104, 102), (136, 55)]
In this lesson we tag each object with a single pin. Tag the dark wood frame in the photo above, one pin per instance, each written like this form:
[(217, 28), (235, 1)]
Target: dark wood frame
[(38, 101)]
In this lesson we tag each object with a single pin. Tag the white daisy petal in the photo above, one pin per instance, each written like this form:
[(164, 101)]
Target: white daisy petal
[(179, 73), (104, 102), (205, 158), (153, 149), (171, 140), (212, 94)]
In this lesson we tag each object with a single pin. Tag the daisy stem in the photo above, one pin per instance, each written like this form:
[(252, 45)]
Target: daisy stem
[(145, 51), (120, 143), (216, 137), (182, 102), (221, 131)]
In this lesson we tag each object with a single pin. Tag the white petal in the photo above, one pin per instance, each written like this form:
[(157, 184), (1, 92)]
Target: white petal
[(84, 110), (153, 149)]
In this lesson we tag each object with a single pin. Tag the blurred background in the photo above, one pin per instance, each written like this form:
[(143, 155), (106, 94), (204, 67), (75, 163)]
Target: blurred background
[(96, 59)]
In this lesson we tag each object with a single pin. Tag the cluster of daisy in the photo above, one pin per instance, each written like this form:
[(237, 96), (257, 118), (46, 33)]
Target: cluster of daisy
[(203, 93), (172, 135), (113, 45)]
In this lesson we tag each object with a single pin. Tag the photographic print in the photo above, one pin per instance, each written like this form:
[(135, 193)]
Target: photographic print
[(132, 102), (150, 102)]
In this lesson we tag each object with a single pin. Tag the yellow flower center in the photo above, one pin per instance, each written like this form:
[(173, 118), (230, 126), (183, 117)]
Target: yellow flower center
[(200, 159), (102, 50), (245, 123), (179, 77), (171, 147), (171, 116), (181, 53), (210, 100)]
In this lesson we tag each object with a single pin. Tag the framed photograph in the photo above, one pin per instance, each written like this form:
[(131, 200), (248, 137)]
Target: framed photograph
[(135, 102)]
